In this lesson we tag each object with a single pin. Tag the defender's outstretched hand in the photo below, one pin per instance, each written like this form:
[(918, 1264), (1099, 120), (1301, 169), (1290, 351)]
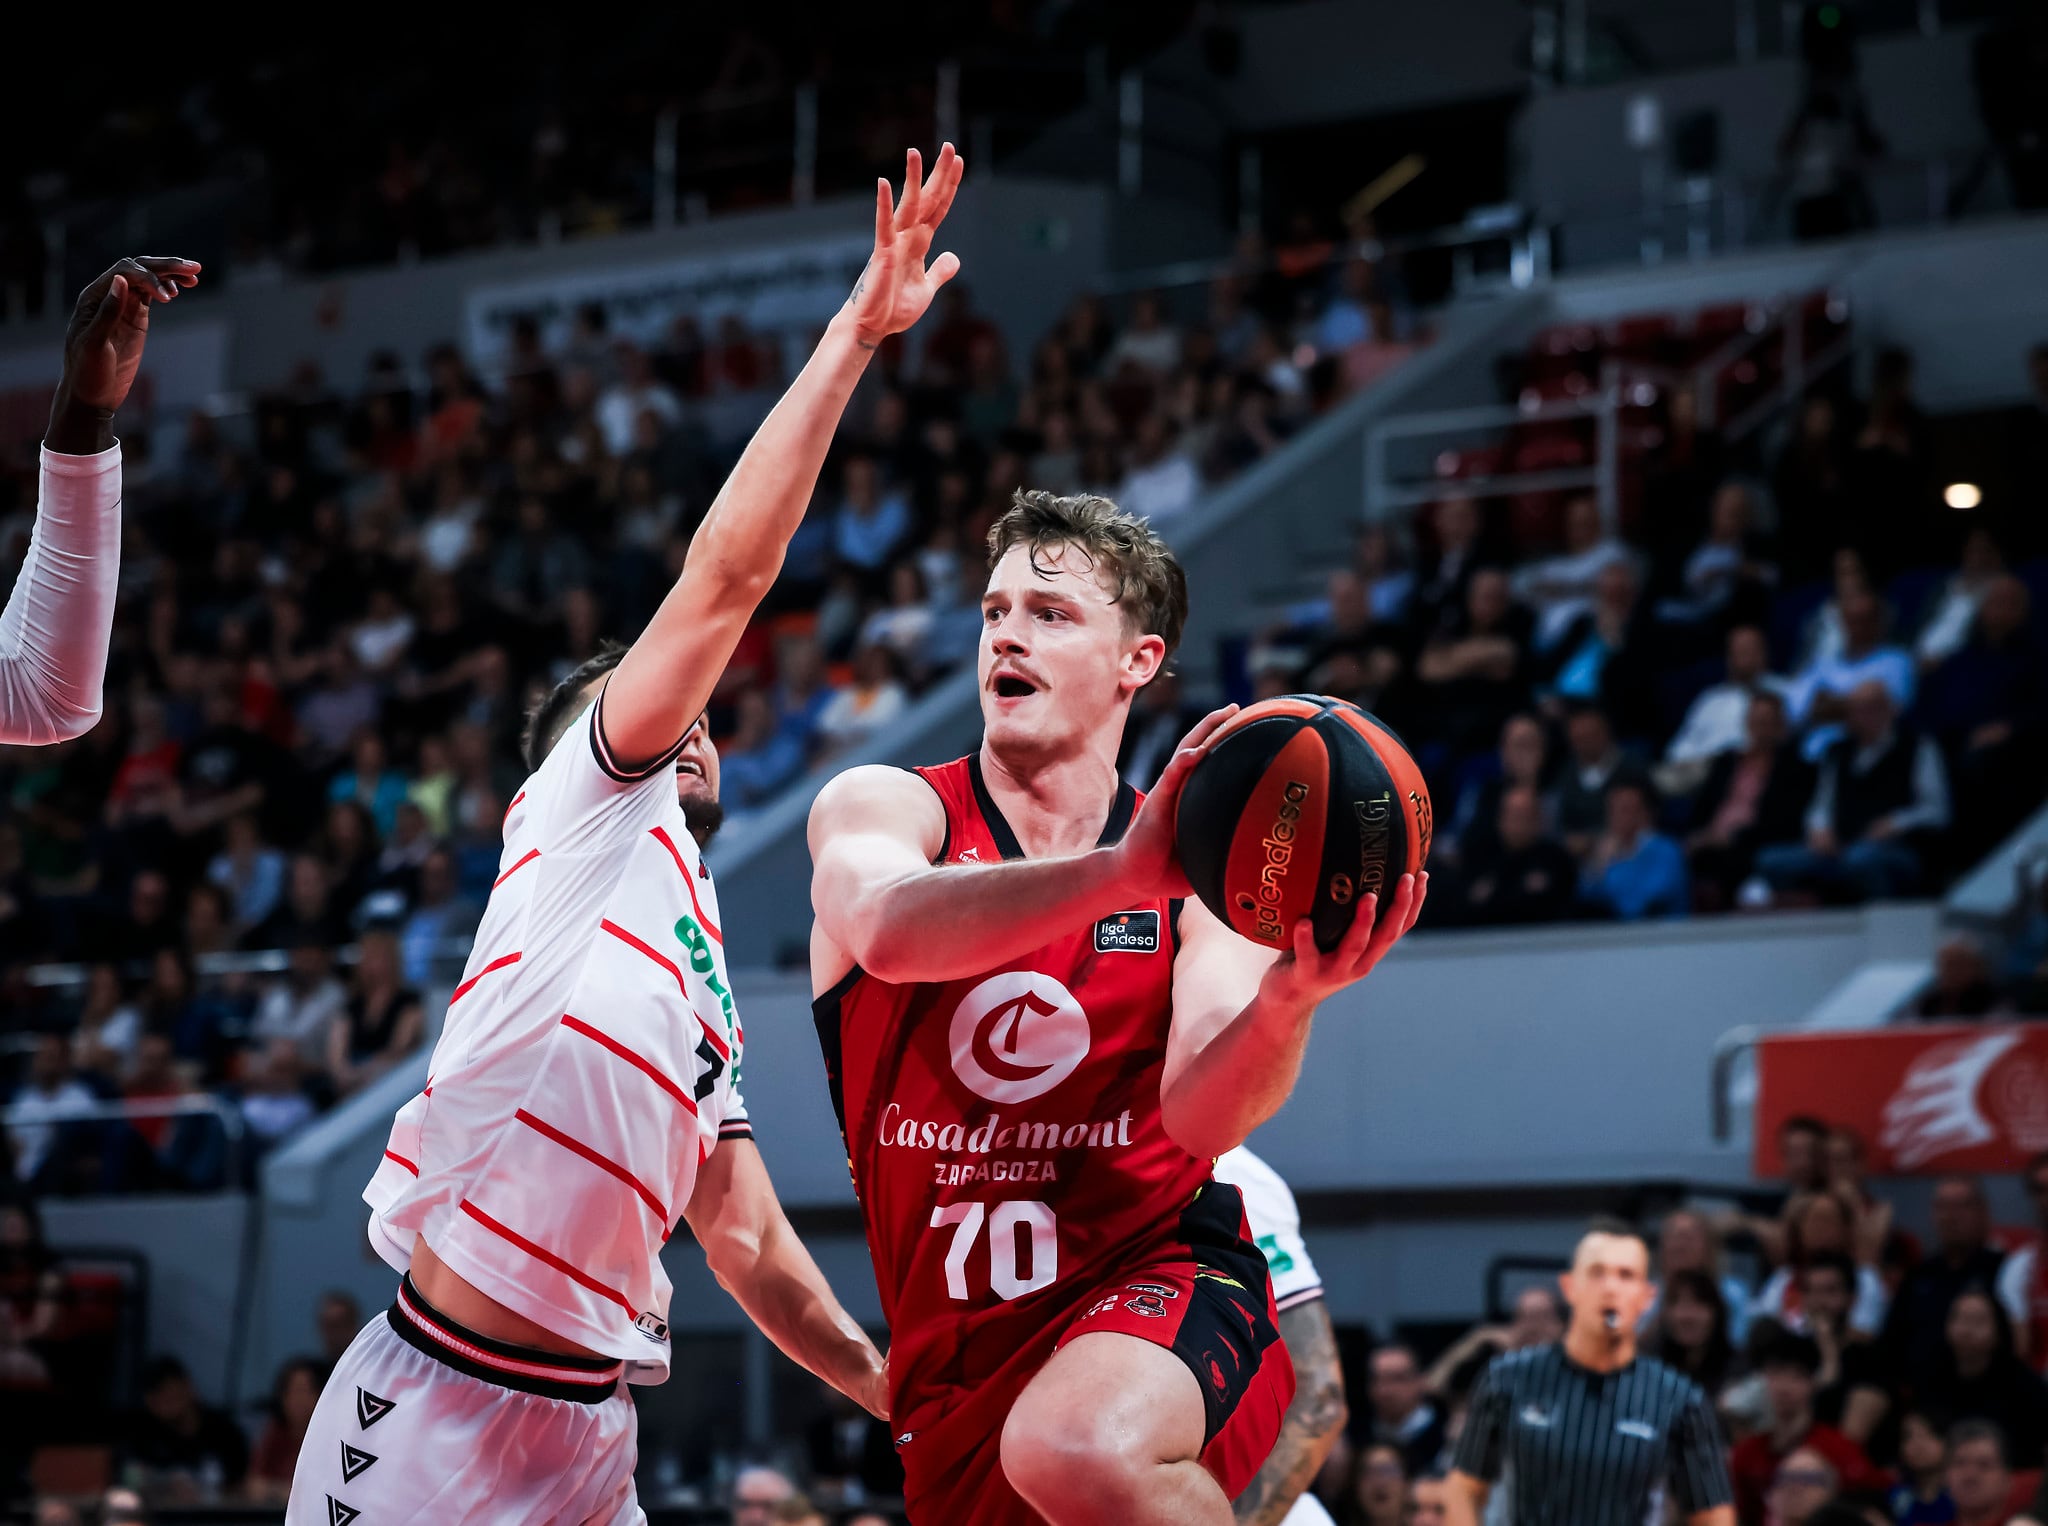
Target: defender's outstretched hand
[(896, 288), (103, 342), (1305, 975)]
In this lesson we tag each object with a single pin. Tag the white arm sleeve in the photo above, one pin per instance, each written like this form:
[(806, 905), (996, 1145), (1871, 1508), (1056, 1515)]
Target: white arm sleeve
[(53, 635)]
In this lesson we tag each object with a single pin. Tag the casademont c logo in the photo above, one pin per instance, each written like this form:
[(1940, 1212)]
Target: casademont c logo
[(1017, 1035)]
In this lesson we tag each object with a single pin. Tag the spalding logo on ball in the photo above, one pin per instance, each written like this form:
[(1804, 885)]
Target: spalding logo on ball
[(1301, 807)]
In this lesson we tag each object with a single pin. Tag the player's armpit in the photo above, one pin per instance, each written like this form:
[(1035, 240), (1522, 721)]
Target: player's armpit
[(1312, 1422)]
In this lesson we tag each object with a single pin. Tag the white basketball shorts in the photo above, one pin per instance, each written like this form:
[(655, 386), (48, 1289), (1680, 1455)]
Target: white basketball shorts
[(423, 1420)]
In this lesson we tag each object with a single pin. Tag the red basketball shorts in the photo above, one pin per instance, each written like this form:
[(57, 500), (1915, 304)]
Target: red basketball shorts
[(1209, 1302)]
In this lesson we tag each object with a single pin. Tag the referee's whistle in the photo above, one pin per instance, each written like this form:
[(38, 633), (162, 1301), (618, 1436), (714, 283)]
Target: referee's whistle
[(1613, 1318)]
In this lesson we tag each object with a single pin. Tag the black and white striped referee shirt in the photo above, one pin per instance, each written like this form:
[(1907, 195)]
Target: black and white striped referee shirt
[(1584, 1448)]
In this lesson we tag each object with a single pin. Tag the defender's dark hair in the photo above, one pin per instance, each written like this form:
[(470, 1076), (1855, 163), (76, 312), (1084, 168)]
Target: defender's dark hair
[(546, 722)]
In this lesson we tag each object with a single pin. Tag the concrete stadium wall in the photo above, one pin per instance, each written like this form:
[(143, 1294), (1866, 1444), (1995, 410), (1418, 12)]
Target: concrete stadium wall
[(1967, 300), (1576, 163), (1026, 248), (199, 1268)]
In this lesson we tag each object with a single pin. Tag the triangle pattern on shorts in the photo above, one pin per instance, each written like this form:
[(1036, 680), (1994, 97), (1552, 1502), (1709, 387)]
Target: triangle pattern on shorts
[(339, 1514), (354, 1462), (370, 1409)]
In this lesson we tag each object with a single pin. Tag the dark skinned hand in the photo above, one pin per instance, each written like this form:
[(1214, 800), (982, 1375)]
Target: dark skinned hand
[(103, 348)]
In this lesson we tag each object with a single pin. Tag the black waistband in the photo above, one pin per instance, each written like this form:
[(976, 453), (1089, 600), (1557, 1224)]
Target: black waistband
[(547, 1374)]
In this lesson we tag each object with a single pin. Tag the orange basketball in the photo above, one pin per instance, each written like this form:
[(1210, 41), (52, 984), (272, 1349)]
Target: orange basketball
[(1301, 806)]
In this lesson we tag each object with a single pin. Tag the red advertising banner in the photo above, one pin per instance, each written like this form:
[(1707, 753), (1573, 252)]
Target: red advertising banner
[(1926, 1099)]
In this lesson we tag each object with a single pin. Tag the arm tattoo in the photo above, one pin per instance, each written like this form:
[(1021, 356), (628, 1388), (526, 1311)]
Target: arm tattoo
[(860, 285), (1312, 1421)]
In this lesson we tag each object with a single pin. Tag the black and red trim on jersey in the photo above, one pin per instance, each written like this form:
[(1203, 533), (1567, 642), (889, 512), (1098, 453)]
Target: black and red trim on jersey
[(601, 749), (547, 1374), (1120, 812)]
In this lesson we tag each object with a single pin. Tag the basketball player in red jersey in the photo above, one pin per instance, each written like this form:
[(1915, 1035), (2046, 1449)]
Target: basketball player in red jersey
[(1037, 1044)]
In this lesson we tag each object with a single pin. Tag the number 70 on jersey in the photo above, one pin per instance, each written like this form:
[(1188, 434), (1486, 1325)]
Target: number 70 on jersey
[(1023, 1246)]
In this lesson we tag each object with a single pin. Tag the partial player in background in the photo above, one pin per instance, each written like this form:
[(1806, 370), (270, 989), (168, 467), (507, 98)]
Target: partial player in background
[(54, 632), (585, 1093), (1038, 1043), (1316, 1416)]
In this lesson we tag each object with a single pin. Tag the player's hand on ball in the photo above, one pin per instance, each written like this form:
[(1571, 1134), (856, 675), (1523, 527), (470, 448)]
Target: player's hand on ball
[(1148, 863), (896, 288), (103, 342), (1305, 975)]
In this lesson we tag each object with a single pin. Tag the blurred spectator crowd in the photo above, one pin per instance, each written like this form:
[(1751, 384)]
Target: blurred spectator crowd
[(263, 157), (1797, 677), (1855, 1365), (337, 609), (90, 1449)]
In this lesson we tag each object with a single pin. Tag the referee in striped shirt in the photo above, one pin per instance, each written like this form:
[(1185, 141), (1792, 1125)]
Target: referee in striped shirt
[(1587, 1432)]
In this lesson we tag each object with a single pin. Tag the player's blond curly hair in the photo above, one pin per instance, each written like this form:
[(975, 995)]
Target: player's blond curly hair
[(1149, 582)]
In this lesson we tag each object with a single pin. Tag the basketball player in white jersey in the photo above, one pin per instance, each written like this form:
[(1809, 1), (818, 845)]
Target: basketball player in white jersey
[(1279, 1495), (585, 1092), (54, 631)]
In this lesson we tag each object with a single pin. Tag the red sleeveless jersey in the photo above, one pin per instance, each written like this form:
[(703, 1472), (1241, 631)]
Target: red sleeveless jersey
[(1004, 1130)]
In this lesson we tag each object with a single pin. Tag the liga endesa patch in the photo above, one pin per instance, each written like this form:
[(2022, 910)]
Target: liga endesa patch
[(1128, 932)]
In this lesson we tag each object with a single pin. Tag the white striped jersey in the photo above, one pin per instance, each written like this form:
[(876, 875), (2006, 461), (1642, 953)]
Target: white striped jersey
[(1276, 1226), (589, 1064)]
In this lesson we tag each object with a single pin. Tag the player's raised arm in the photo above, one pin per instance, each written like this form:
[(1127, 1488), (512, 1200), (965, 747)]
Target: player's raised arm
[(53, 635), (662, 684)]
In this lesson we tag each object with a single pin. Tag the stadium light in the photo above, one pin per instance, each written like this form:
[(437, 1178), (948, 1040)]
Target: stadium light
[(1962, 495)]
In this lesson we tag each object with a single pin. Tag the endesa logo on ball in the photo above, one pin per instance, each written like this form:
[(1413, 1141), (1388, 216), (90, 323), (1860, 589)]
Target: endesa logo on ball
[(1279, 845)]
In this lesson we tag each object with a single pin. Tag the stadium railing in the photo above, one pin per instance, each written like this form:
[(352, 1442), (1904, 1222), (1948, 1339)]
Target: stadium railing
[(234, 1131)]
